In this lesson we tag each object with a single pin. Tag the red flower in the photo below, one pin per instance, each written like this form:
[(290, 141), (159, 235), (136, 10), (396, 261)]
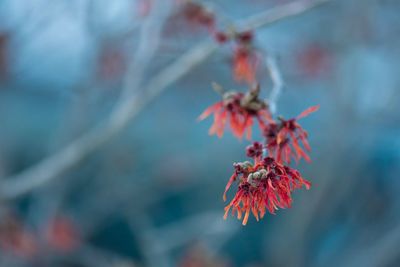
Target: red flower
[(240, 109), (197, 14), (266, 185), (245, 63), (16, 239), (62, 234), (244, 38), (255, 151), (221, 37), (284, 139)]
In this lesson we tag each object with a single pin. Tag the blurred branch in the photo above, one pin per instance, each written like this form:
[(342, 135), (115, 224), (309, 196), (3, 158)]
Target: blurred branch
[(278, 13), (158, 243), (57, 164), (150, 34), (141, 225), (91, 256), (382, 253), (277, 82), (191, 229)]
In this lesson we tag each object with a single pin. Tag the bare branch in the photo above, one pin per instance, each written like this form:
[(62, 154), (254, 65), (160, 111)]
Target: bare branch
[(277, 81), (91, 256), (191, 228), (150, 34), (57, 164), (278, 13), (382, 253)]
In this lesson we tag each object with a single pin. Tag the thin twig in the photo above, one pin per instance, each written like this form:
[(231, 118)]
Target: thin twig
[(149, 36), (277, 82), (278, 13), (57, 164)]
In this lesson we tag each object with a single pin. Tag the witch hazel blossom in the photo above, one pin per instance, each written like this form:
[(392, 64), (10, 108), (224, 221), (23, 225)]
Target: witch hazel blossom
[(245, 64), (266, 182), (238, 110), (198, 15), (245, 58), (264, 185), (286, 139)]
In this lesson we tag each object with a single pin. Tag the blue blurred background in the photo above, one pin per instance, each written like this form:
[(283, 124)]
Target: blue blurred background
[(152, 194)]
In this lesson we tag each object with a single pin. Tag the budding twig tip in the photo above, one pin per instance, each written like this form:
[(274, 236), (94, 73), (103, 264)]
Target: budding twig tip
[(218, 88)]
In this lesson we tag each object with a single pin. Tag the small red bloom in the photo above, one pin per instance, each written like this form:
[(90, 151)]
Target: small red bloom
[(197, 14), (283, 138), (244, 37), (16, 239), (255, 151), (221, 37), (240, 109), (314, 60), (266, 185), (245, 63), (62, 234)]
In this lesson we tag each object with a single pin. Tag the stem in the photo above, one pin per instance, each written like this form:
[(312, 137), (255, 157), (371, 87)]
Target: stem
[(277, 82)]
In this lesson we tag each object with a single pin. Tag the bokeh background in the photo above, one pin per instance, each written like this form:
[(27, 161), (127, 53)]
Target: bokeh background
[(152, 194)]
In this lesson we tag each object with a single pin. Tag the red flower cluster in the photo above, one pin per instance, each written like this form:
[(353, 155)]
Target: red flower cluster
[(245, 64), (268, 182), (240, 109), (16, 239), (263, 186), (245, 58), (283, 138)]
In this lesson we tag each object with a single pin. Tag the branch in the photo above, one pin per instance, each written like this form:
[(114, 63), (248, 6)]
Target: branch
[(150, 34), (57, 164), (191, 228), (91, 256), (382, 253), (278, 13), (277, 82)]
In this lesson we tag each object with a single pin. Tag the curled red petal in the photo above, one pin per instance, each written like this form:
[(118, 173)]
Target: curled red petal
[(228, 185), (300, 152), (234, 123), (248, 126), (307, 112), (209, 110), (221, 125)]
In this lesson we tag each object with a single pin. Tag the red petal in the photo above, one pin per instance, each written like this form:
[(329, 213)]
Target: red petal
[(210, 110), (307, 184), (288, 153), (249, 125), (221, 125), (235, 125), (266, 115), (307, 112), (228, 185), (300, 152)]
